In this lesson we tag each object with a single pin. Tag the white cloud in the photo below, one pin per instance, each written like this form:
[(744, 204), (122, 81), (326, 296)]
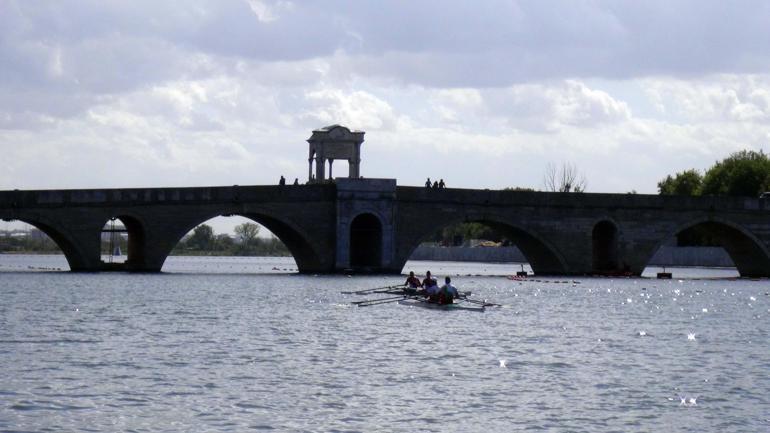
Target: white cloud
[(457, 106), (269, 12), (359, 108), (550, 107), (262, 11), (721, 98)]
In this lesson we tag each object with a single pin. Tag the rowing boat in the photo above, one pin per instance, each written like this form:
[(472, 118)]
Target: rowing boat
[(424, 303)]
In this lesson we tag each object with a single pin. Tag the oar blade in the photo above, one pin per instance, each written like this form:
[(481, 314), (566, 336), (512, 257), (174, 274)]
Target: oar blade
[(382, 301), (367, 291), (483, 303), (367, 301)]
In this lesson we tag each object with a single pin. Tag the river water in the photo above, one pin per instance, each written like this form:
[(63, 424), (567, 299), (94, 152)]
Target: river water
[(245, 344)]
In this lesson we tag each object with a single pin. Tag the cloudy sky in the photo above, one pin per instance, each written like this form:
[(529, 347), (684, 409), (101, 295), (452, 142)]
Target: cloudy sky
[(484, 94)]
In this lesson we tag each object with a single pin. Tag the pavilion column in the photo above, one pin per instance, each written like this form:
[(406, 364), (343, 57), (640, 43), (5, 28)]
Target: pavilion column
[(354, 170)]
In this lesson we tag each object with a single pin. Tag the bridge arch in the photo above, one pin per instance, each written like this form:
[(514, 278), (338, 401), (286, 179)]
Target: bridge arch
[(366, 241), (76, 258), (135, 242), (749, 254), (297, 241), (604, 246), (543, 257)]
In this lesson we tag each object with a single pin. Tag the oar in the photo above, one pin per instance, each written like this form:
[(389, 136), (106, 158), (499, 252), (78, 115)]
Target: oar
[(365, 291), (367, 301), (484, 303), (391, 290), (384, 301)]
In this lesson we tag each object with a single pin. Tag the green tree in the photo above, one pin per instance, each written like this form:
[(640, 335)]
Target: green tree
[(744, 173), (202, 238), (224, 243), (688, 182), (457, 234), (203, 241)]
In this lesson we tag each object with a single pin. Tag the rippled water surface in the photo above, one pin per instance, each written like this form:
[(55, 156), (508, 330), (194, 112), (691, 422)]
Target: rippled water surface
[(210, 345)]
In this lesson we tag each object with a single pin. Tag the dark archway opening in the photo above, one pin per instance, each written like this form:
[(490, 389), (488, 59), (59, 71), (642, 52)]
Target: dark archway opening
[(605, 247), (365, 242), (122, 243)]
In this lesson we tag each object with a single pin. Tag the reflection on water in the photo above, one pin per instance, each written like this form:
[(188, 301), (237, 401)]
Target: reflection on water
[(203, 348)]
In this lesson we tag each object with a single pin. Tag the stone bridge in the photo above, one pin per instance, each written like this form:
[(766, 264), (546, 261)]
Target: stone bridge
[(372, 225)]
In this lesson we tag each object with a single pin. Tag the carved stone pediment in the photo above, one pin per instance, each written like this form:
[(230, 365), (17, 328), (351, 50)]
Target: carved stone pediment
[(330, 143)]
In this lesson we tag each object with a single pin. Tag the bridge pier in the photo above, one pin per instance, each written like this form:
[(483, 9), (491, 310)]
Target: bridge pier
[(365, 225)]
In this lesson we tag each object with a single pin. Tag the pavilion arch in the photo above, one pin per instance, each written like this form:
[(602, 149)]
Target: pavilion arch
[(750, 255), (543, 258), (366, 241), (297, 241), (137, 238)]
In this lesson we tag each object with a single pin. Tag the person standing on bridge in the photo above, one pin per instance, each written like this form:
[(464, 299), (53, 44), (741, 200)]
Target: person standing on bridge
[(282, 181), (296, 181), (427, 183), (441, 184)]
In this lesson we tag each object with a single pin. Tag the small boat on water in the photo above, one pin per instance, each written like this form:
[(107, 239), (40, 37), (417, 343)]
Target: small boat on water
[(414, 298), (424, 303)]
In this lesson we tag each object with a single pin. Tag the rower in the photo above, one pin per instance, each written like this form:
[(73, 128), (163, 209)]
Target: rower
[(448, 293), (412, 284), (430, 285)]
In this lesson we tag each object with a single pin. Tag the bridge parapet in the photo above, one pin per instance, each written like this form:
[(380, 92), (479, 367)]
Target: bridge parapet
[(160, 196), (580, 200)]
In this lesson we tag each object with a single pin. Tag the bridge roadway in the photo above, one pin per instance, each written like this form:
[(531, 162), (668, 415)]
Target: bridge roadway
[(372, 225)]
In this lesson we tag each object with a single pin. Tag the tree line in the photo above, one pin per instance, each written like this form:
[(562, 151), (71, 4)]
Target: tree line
[(28, 244), (204, 241), (743, 173)]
